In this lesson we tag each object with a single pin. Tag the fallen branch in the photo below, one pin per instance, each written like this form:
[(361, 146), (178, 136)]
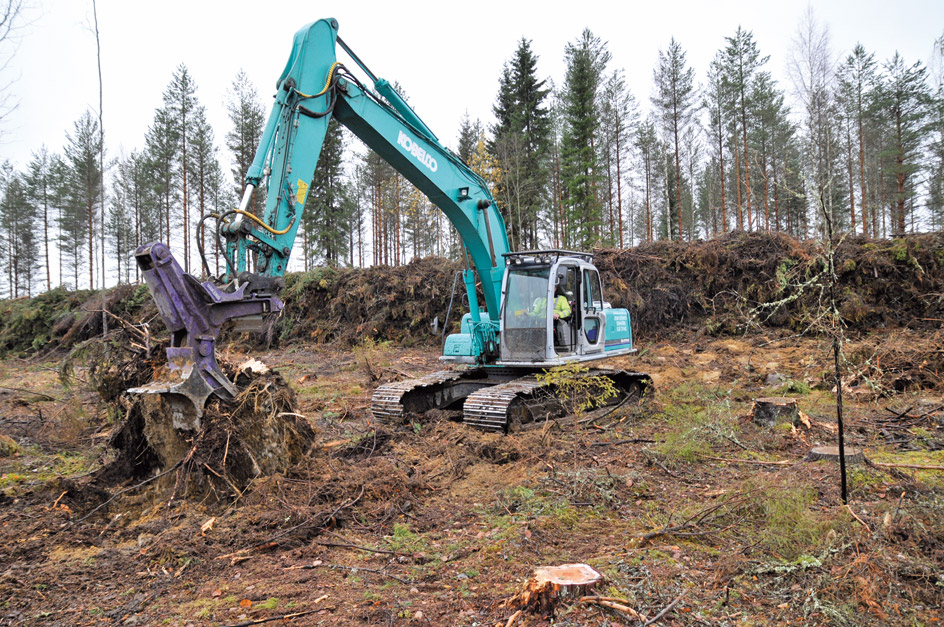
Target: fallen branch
[(664, 611), (629, 441), (620, 605), (259, 621), (862, 522), (912, 466), (33, 392), (747, 461), (363, 548)]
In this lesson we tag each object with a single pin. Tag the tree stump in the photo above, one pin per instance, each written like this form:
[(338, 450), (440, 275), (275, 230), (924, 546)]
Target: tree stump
[(544, 591), (853, 455), (771, 411)]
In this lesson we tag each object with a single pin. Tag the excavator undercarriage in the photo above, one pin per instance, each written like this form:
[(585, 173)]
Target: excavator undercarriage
[(493, 399)]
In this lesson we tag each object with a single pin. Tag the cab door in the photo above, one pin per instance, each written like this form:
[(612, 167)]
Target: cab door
[(592, 331)]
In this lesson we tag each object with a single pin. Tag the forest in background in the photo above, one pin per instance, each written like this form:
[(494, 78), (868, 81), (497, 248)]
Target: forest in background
[(581, 163)]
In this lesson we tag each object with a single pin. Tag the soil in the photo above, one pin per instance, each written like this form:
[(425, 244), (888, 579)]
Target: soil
[(436, 524)]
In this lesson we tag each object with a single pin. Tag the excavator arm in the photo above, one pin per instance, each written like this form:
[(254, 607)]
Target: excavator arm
[(312, 89)]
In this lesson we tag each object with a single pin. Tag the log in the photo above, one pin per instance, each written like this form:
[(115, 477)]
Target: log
[(545, 590), (831, 453), (775, 410)]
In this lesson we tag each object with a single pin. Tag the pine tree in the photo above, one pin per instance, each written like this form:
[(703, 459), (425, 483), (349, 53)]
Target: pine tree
[(180, 103), (620, 115), (161, 141), (857, 80), (40, 189), (905, 98), (674, 100), (715, 102), (82, 150), (649, 147), (204, 167), (741, 62)]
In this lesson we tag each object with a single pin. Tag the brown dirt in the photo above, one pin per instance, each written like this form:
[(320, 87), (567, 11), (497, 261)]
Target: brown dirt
[(438, 524)]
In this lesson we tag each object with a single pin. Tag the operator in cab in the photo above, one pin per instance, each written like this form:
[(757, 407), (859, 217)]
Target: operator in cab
[(561, 306)]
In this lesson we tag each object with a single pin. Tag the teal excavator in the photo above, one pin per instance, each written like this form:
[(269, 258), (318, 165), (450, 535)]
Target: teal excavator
[(500, 347)]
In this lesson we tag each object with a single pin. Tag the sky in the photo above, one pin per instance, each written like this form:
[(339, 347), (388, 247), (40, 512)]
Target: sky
[(447, 56)]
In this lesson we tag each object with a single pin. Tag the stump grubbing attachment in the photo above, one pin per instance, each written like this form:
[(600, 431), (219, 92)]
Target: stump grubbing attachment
[(194, 313)]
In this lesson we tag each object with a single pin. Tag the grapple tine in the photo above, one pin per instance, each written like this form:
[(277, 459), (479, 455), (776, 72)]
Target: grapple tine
[(194, 314)]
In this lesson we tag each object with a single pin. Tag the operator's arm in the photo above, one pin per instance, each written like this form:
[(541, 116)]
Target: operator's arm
[(561, 307)]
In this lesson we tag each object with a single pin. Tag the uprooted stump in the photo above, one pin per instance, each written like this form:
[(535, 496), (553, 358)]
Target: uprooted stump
[(551, 584), (257, 434), (831, 453)]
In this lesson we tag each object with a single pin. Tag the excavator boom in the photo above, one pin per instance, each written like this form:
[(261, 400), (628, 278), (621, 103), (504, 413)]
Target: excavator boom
[(313, 89)]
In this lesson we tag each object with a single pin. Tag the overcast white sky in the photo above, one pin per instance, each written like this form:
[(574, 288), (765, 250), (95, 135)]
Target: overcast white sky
[(447, 55)]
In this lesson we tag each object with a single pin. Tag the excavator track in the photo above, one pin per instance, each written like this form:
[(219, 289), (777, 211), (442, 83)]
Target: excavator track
[(494, 399), (506, 406), (393, 402)]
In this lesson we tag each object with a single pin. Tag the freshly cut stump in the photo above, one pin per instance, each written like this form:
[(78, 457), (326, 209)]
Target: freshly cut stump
[(775, 410), (853, 455), (550, 584)]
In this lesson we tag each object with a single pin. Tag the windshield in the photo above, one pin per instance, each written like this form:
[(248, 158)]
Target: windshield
[(526, 298)]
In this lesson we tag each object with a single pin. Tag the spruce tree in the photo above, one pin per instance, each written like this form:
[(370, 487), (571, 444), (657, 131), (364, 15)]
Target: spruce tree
[(247, 116), (329, 207), (521, 144), (586, 59), (469, 132)]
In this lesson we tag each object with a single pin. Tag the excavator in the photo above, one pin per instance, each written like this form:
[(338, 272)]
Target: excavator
[(522, 329)]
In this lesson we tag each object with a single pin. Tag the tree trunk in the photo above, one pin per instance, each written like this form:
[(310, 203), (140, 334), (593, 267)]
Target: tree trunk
[(619, 188), (724, 216), (852, 213), (737, 179)]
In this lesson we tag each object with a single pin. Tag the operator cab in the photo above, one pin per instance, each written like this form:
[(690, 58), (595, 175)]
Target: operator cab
[(553, 310)]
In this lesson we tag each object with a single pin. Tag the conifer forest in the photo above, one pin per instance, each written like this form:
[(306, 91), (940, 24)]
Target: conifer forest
[(766, 447)]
